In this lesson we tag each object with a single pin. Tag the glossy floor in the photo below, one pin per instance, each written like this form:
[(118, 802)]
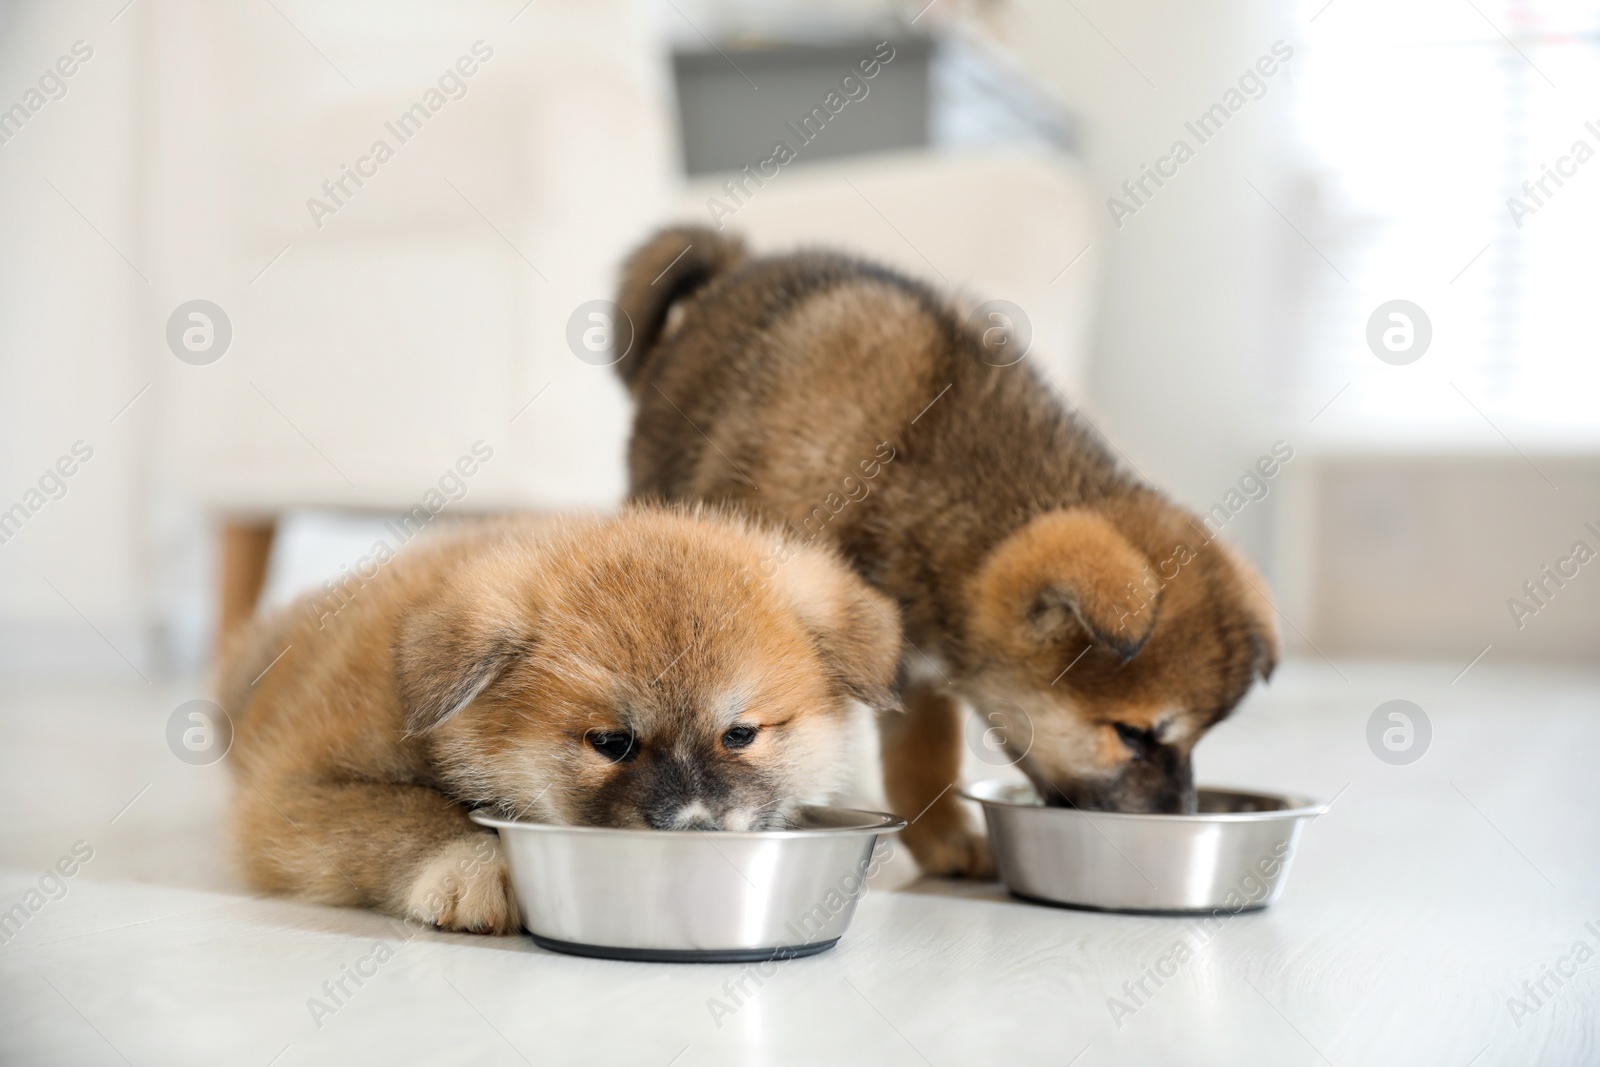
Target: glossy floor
[(1418, 907)]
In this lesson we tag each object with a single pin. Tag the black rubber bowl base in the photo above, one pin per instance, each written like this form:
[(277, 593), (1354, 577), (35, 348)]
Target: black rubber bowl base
[(1177, 913), (683, 955)]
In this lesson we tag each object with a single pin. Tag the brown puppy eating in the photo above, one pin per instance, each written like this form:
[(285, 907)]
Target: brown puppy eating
[(1095, 625), (650, 670)]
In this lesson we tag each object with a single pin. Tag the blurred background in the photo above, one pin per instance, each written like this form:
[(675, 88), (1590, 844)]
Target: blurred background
[(369, 316), (284, 280)]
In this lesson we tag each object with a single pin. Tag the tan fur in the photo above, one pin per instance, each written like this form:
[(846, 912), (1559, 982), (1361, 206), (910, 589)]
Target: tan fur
[(481, 666), (1031, 566)]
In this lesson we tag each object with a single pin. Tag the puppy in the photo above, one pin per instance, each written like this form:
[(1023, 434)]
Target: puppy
[(1095, 625), (653, 670)]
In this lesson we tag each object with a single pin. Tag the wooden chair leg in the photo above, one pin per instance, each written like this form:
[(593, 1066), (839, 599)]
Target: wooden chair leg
[(246, 547)]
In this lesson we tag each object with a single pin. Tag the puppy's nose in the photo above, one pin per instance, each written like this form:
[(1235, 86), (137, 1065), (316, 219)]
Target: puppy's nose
[(696, 816), (691, 816)]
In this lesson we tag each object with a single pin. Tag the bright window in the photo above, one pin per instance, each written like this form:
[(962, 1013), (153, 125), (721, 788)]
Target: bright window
[(1422, 119)]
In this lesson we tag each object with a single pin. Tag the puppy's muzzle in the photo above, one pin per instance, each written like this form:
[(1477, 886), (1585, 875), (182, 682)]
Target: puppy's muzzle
[(1160, 785), (681, 796)]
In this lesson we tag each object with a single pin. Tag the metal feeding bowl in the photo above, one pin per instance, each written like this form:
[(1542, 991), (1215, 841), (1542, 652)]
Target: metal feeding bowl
[(1234, 854), (689, 895)]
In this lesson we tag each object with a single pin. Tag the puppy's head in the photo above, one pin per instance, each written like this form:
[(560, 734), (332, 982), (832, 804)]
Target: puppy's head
[(1123, 632), (657, 670)]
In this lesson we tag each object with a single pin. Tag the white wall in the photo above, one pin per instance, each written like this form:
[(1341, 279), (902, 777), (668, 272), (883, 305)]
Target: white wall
[(1184, 354), (71, 301), (371, 353)]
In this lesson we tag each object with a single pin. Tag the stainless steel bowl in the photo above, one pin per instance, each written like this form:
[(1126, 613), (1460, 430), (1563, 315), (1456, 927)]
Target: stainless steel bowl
[(1234, 855), (692, 896)]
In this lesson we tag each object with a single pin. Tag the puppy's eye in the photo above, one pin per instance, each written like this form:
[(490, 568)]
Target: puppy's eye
[(615, 745), (740, 736), (1137, 740)]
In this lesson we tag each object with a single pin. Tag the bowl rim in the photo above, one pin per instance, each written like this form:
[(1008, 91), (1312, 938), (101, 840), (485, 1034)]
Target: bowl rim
[(1298, 805), (870, 822)]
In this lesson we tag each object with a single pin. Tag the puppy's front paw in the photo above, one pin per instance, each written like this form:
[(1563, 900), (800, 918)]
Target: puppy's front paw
[(465, 887), (949, 849)]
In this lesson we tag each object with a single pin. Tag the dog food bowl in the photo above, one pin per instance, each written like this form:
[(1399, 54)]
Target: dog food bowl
[(1233, 855), (692, 896)]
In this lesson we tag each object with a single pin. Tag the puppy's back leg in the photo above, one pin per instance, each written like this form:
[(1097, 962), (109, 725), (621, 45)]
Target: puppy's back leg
[(407, 850), (921, 767)]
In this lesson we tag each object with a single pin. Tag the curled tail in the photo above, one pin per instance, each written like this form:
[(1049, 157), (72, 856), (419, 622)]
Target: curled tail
[(665, 269)]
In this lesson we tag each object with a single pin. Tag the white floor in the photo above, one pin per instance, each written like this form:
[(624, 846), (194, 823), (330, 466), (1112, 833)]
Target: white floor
[(1418, 906)]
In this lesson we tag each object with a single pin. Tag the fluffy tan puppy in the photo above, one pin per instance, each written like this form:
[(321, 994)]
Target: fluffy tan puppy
[(659, 669)]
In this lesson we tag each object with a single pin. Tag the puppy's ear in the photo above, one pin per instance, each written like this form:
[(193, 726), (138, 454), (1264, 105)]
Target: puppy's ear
[(856, 628), (453, 649), (1066, 573), (1265, 642)]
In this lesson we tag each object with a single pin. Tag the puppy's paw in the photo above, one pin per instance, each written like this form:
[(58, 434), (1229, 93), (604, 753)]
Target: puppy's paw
[(465, 887), (953, 850)]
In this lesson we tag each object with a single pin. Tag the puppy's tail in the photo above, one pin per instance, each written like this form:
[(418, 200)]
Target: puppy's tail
[(662, 271)]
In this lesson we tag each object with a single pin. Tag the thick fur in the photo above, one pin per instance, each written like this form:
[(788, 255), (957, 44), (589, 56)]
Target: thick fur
[(1032, 568), (482, 667)]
